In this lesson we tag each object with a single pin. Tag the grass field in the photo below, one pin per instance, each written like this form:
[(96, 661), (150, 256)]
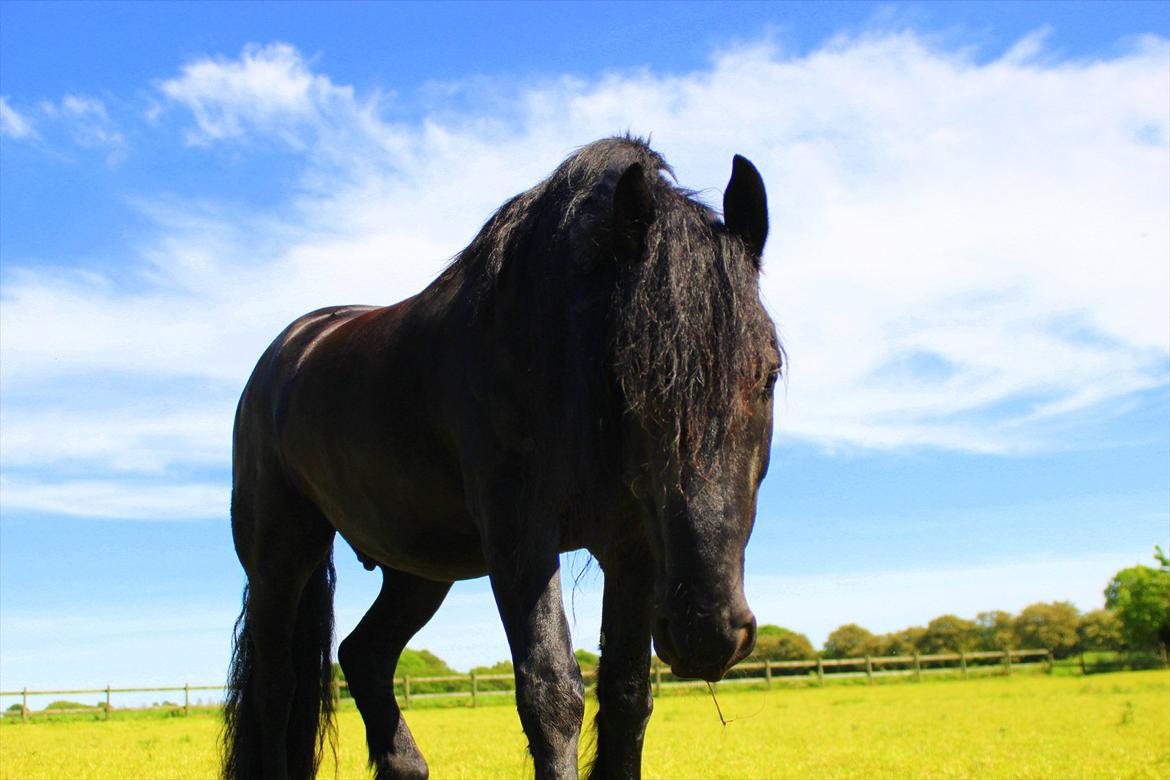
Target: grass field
[(1113, 725)]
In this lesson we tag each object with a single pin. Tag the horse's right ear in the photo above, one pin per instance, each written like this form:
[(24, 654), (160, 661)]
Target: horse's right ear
[(633, 211), (745, 206)]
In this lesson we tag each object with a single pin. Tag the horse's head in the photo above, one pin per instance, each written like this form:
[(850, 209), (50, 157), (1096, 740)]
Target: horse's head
[(696, 358)]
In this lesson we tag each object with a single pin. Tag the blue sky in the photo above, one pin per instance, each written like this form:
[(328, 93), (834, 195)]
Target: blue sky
[(969, 263)]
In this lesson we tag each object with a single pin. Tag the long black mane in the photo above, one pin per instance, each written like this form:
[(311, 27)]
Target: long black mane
[(682, 327)]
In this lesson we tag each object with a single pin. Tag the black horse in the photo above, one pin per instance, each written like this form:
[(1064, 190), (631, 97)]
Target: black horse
[(594, 371)]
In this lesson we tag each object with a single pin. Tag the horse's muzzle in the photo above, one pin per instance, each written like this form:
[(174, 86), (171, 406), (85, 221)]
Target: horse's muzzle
[(704, 649)]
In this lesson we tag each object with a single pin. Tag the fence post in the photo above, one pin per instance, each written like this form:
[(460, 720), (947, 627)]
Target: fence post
[(869, 669), (1083, 671), (917, 668), (1050, 662), (768, 671), (107, 701), (474, 689), (406, 692), (657, 679), (186, 699), (963, 662), (821, 672), (24, 704), (1007, 661), (335, 687)]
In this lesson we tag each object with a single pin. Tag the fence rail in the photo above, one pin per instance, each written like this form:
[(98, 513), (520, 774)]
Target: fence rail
[(761, 672)]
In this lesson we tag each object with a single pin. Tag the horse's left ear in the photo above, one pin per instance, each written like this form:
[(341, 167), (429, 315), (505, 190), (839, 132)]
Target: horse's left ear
[(745, 206)]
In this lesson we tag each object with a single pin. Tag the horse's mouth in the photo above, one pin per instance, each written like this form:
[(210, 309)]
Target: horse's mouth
[(709, 669), (680, 667), (710, 674)]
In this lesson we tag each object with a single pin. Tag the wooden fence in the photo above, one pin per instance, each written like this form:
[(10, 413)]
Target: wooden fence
[(766, 673)]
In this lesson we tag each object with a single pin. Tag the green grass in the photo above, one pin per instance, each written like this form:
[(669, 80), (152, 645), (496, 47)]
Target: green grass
[(1110, 725)]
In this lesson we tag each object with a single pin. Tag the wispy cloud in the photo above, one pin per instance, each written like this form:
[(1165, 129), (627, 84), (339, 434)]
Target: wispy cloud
[(73, 121), (965, 255), (121, 500), (89, 122), (13, 124)]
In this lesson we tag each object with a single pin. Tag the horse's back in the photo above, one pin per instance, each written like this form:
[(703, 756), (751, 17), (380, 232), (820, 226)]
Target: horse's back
[(289, 350)]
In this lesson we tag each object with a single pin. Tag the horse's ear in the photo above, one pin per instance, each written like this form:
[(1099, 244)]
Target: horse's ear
[(633, 211), (745, 206)]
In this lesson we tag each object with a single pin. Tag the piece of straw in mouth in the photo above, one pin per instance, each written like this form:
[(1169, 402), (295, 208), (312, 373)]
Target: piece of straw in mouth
[(718, 709)]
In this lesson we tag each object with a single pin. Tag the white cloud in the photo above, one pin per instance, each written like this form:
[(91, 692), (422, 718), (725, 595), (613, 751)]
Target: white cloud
[(13, 124), (964, 255), (112, 500), (151, 435), (269, 90)]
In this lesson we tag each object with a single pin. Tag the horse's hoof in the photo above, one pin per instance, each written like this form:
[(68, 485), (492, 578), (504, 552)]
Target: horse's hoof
[(395, 766)]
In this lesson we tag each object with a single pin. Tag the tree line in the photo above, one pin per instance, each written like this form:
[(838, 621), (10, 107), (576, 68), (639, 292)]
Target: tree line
[(1136, 617)]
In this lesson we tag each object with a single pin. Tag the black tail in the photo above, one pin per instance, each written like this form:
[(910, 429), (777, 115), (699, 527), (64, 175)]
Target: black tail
[(311, 724)]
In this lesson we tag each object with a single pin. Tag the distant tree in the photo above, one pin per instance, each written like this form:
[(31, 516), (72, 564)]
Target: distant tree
[(994, 630), (1052, 626), (850, 641), (1099, 630), (774, 643), (421, 663), (586, 659), (501, 667), (904, 642), (65, 704), (416, 663), (949, 634), (339, 677), (1140, 596)]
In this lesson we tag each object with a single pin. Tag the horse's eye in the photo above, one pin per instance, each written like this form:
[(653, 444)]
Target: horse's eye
[(770, 382)]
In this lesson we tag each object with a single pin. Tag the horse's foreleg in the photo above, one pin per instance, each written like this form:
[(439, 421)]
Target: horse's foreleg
[(369, 656), (550, 694), (623, 684)]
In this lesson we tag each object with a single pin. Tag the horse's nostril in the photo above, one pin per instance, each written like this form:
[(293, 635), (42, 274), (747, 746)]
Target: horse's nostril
[(746, 639), (663, 642)]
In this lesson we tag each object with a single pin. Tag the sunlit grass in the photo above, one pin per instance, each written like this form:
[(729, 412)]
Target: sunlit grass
[(1115, 725)]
